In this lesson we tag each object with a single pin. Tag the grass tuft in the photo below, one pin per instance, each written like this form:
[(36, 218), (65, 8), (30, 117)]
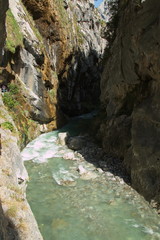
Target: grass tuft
[(8, 125)]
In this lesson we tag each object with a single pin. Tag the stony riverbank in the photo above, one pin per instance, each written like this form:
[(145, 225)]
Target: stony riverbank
[(85, 150)]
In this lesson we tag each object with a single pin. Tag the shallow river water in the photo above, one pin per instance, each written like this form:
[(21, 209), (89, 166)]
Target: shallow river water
[(70, 207)]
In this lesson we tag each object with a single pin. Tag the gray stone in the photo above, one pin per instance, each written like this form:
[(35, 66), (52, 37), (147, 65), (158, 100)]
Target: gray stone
[(76, 143), (81, 170), (62, 138)]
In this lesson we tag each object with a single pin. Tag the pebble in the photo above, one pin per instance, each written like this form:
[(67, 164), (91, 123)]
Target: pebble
[(121, 181), (69, 155), (81, 170), (109, 174), (99, 170)]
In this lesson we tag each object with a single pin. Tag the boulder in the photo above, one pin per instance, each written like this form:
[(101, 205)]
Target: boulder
[(81, 170), (62, 138), (76, 143)]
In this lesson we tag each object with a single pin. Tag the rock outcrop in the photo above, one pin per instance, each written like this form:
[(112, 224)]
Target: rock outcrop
[(130, 95)]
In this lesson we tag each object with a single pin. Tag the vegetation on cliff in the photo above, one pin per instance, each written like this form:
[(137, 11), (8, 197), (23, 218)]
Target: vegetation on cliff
[(14, 34)]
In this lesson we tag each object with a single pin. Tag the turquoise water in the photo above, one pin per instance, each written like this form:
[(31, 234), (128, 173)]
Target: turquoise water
[(69, 207)]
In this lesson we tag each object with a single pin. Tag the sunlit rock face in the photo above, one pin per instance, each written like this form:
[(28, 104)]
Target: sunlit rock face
[(16, 219), (54, 57), (130, 95), (104, 11), (46, 68)]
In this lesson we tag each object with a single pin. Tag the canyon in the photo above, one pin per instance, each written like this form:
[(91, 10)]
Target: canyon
[(52, 55)]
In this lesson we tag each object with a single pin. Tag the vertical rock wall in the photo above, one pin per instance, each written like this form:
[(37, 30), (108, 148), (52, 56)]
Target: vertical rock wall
[(50, 66), (53, 54), (130, 90), (16, 219), (72, 35)]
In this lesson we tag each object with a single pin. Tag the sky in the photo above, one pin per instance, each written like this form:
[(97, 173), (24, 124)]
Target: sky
[(97, 2)]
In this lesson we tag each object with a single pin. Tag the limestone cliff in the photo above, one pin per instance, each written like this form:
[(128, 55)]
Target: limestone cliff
[(72, 32), (16, 218), (50, 67), (130, 95), (19, 221), (53, 59)]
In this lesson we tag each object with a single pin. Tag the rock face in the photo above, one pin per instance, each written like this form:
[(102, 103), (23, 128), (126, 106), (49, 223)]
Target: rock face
[(18, 222), (71, 30), (3, 7), (53, 55), (50, 65), (16, 218), (103, 9), (130, 95)]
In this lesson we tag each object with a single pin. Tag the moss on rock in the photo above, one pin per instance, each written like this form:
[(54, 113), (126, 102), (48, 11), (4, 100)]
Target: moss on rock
[(14, 34)]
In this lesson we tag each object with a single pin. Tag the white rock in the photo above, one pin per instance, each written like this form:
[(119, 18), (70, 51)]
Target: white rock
[(81, 170), (89, 176), (121, 181), (109, 174), (62, 138), (69, 155), (100, 170)]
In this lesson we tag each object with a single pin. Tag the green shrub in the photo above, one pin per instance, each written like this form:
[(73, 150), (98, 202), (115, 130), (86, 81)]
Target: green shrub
[(13, 88), (7, 125), (52, 93), (8, 100), (14, 34)]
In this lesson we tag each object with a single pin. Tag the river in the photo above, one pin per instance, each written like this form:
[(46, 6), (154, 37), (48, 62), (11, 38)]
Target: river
[(69, 205)]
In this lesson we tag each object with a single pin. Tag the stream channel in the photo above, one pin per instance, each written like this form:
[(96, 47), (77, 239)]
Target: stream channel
[(72, 206)]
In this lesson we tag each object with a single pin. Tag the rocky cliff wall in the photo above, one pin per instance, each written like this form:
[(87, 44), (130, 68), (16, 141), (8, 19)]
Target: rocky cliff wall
[(16, 218), (52, 57), (46, 69), (72, 34), (19, 222), (130, 95)]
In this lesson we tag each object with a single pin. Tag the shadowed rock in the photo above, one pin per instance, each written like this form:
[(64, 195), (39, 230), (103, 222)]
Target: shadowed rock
[(130, 94)]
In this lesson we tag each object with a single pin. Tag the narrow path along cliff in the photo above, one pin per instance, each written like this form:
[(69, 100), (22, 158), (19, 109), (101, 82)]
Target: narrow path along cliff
[(81, 194)]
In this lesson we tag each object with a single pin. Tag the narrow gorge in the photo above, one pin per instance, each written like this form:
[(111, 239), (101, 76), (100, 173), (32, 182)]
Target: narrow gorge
[(79, 105)]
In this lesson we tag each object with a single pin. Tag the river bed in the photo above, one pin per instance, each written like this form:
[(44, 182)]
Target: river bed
[(72, 199)]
